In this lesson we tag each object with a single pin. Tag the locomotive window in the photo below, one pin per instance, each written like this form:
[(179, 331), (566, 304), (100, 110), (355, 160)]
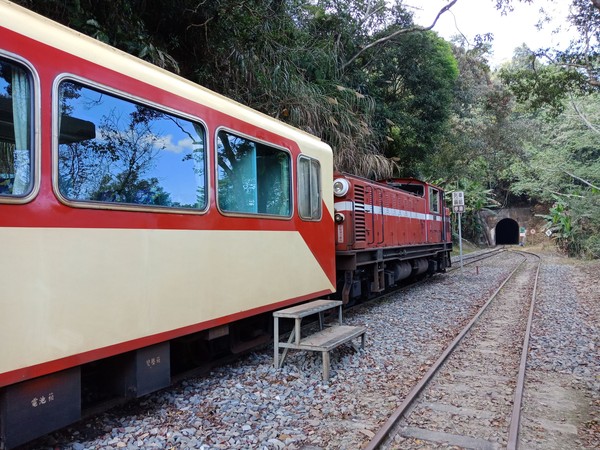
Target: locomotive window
[(113, 150), (16, 130), (434, 200), (309, 188), (253, 178), (416, 189)]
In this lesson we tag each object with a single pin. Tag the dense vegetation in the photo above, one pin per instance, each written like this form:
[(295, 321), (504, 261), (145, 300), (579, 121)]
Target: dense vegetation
[(390, 97)]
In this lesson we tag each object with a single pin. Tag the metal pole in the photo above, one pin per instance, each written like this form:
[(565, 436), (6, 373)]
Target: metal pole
[(460, 240)]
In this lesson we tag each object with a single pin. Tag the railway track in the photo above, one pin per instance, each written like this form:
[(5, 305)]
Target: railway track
[(467, 259), (471, 396), (250, 404), (472, 258)]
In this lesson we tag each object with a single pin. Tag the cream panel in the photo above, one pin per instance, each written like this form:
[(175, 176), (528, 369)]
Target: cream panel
[(67, 291)]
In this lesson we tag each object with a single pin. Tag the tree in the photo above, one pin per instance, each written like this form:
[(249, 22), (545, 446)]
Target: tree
[(120, 23), (312, 64), (484, 134), (561, 88), (562, 168), (413, 78), (550, 77)]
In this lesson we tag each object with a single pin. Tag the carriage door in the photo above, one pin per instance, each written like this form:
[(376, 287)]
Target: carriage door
[(434, 222)]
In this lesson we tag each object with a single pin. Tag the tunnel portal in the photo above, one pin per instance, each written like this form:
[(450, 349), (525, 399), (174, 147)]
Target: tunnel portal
[(507, 232)]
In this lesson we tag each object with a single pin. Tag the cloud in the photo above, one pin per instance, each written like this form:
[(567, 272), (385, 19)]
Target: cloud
[(168, 144)]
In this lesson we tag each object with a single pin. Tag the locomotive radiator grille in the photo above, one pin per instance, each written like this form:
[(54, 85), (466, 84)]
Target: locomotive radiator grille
[(360, 230)]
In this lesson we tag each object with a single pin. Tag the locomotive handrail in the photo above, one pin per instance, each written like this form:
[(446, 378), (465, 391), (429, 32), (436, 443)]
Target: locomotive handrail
[(382, 216), (370, 189)]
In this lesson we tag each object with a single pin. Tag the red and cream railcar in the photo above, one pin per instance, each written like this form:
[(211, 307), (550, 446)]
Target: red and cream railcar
[(387, 231), (142, 217)]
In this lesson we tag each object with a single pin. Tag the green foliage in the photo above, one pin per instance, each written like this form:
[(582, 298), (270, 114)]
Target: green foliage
[(477, 198), (562, 161), (297, 61), (413, 80), (484, 135), (540, 85), (120, 23), (562, 166), (548, 77), (575, 224), (559, 220)]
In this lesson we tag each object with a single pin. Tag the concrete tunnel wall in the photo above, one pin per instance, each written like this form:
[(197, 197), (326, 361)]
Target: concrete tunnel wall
[(504, 224)]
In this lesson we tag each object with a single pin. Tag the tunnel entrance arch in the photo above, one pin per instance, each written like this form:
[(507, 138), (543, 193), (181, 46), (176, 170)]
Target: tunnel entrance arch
[(507, 232)]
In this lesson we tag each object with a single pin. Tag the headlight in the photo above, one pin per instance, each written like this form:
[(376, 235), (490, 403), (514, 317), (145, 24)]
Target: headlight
[(340, 187), (339, 217)]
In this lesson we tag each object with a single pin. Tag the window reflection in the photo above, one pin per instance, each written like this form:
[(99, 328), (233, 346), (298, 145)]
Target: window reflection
[(309, 188), (253, 178), (16, 157), (116, 151)]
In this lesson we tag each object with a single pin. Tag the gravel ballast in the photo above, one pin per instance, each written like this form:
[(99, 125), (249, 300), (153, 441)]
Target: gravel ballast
[(251, 405)]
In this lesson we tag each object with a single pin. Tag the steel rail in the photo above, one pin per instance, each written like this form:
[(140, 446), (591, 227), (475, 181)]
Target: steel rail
[(479, 257), (411, 284), (417, 282), (515, 420), (389, 425)]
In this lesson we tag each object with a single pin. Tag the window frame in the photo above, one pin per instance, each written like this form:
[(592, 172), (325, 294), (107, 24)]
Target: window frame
[(311, 161), (437, 192), (95, 204), (254, 139), (35, 138)]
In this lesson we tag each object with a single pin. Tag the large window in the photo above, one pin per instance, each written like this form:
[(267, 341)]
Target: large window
[(16, 130), (253, 178), (117, 151), (309, 188)]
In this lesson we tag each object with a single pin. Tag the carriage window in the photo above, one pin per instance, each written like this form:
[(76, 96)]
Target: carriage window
[(434, 200), (116, 151), (309, 188), (16, 153), (253, 178)]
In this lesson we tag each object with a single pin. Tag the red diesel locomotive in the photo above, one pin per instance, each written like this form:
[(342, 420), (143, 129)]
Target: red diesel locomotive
[(386, 232)]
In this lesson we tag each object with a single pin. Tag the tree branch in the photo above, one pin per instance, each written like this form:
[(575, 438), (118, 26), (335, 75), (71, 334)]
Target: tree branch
[(581, 179), (399, 32), (584, 119), (565, 195), (372, 13)]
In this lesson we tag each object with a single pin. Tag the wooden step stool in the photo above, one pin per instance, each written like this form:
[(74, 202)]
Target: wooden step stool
[(324, 340)]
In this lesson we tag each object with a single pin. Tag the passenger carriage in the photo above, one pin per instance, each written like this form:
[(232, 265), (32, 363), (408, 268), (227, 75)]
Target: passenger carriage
[(143, 218)]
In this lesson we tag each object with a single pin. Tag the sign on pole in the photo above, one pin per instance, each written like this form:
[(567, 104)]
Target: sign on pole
[(458, 206), (458, 199)]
